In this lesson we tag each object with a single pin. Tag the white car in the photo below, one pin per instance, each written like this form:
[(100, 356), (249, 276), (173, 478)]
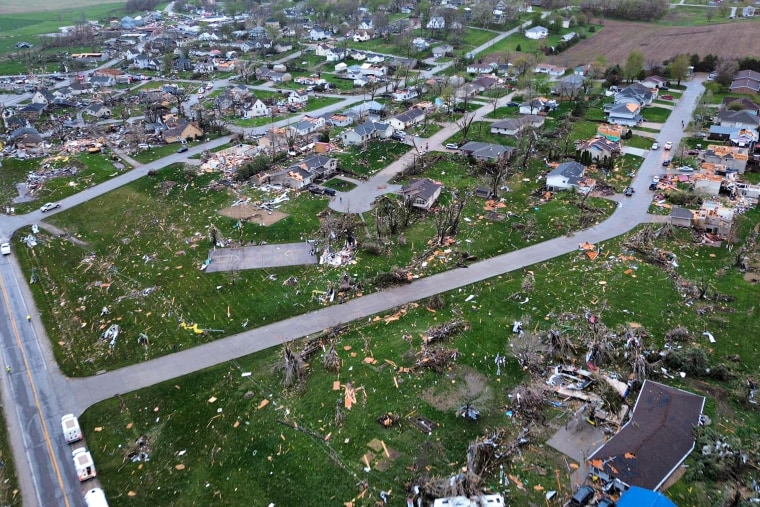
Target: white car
[(655, 179), (668, 145), (686, 169), (655, 146), (5, 248), (452, 146), (50, 206)]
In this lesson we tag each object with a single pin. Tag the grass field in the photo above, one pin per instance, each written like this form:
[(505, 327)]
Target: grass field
[(20, 6), (229, 435)]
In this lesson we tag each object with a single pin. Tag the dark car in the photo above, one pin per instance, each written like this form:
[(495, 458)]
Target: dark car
[(629, 191), (653, 186), (329, 191), (666, 162), (606, 502), (513, 104), (582, 497), (182, 149)]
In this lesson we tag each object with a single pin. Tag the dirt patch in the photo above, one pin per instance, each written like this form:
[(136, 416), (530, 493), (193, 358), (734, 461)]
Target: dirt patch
[(719, 394), (658, 43), (251, 213), (469, 386), (751, 277)]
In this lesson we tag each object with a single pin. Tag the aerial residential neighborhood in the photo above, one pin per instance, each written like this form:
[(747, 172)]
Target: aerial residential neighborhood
[(448, 253)]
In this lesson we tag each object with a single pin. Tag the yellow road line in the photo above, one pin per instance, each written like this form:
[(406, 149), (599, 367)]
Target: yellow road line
[(45, 432)]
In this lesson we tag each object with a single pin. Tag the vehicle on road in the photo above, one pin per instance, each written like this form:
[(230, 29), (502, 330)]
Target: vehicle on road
[(655, 179), (50, 206), (655, 146), (452, 146), (653, 186), (666, 162), (183, 149), (95, 498), (398, 135), (328, 191), (71, 430), (668, 145), (629, 191), (686, 169), (5, 248), (84, 464)]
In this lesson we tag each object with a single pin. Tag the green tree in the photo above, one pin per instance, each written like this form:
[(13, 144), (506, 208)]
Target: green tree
[(679, 68), (633, 65)]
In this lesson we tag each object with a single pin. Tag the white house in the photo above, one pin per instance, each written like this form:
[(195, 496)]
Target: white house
[(436, 23), (422, 193), (537, 32), (405, 94), (256, 109), (552, 70), (317, 33), (365, 132), (565, 176), (299, 97), (407, 119), (480, 68)]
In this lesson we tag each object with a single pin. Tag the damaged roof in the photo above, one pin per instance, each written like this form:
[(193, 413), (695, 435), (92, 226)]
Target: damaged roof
[(655, 441)]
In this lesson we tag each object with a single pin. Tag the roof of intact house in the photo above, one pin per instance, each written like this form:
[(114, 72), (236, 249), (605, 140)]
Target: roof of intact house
[(485, 150), (655, 441), (424, 188)]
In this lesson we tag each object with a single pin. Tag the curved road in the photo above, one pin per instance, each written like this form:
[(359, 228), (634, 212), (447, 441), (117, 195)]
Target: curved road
[(37, 394)]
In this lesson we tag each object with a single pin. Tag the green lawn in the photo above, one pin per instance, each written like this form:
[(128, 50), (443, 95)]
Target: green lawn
[(364, 162), (481, 131), (339, 184), (656, 114)]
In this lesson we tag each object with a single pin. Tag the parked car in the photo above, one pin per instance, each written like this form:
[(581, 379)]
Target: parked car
[(50, 206), (666, 162), (582, 497), (606, 502), (398, 135), (329, 191), (452, 146), (653, 186), (655, 179), (182, 149), (629, 191), (5, 248), (512, 103), (667, 97), (686, 169), (655, 146), (668, 145)]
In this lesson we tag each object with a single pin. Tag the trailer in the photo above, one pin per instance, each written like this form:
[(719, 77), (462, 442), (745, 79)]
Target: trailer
[(71, 430), (84, 464), (95, 498)]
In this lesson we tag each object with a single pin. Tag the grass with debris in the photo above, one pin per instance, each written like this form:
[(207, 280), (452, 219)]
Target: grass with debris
[(232, 434), (91, 169), (367, 161), (138, 250)]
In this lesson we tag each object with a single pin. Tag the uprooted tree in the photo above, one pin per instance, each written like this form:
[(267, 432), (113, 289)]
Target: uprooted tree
[(447, 219)]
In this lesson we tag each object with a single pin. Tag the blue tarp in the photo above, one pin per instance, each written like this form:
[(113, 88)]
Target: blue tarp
[(640, 497)]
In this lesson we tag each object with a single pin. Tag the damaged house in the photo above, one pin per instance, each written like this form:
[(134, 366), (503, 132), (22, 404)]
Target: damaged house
[(423, 192)]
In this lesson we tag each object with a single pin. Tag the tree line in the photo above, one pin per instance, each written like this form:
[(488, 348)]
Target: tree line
[(632, 10)]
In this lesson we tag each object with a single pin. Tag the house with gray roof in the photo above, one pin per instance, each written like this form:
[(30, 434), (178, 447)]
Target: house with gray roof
[(486, 151), (565, 176)]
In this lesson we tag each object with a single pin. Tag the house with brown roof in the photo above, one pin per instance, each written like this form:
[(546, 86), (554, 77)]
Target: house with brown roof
[(513, 126), (746, 81), (655, 441), (599, 148), (180, 131)]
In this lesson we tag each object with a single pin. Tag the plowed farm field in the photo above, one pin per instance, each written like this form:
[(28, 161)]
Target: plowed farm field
[(659, 43)]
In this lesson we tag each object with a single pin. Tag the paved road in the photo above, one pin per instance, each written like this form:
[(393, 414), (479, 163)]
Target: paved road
[(37, 394)]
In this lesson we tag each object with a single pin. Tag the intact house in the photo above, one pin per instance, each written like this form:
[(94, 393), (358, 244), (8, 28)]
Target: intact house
[(317, 33), (422, 193), (298, 97), (513, 126), (442, 51), (745, 81), (738, 119), (407, 119), (638, 93), (485, 151), (738, 104), (537, 32), (551, 70), (369, 108), (598, 149), (568, 175), (256, 109), (98, 110), (102, 81), (569, 86), (538, 105), (365, 132), (733, 157), (180, 131), (624, 113), (266, 74), (320, 166)]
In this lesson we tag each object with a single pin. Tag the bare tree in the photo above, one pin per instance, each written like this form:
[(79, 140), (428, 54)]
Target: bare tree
[(464, 124)]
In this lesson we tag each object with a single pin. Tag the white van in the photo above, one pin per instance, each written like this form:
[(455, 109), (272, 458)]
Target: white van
[(95, 498), (71, 430), (84, 464)]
